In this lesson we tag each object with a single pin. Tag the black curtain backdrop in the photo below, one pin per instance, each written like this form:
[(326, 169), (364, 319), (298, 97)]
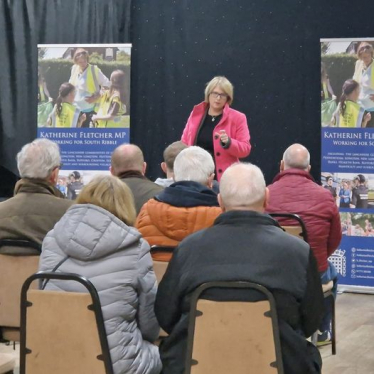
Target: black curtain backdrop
[(268, 49)]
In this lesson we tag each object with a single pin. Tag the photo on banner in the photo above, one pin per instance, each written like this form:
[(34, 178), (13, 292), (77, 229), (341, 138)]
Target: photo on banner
[(347, 146), (84, 106)]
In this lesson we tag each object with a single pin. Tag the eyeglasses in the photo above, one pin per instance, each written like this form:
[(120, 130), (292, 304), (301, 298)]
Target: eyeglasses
[(364, 48), (217, 95)]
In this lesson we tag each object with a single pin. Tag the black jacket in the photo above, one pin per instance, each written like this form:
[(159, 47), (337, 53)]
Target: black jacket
[(244, 246)]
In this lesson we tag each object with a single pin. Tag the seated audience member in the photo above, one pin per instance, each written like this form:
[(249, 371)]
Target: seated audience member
[(37, 204), (128, 165), (244, 245), (95, 239), (167, 166), (186, 206), (294, 191)]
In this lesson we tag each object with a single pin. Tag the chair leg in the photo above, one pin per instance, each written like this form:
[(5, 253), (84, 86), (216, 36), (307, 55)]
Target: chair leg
[(333, 326)]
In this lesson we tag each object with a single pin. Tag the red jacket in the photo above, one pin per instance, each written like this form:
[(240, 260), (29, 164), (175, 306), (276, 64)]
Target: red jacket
[(294, 191), (236, 127)]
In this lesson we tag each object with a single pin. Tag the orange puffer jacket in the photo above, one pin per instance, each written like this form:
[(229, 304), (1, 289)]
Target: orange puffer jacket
[(166, 225)]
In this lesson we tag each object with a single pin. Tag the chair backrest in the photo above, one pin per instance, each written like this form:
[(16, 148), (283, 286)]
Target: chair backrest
[(240, 337), (63, 332), (296, 227), (14, 270), (160, 266)]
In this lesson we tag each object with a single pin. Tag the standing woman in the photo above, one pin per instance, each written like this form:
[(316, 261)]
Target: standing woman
[(364, 75), (87, 79), (217, 128)]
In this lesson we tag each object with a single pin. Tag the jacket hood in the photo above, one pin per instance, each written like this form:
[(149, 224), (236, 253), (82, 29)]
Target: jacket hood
[(87, 232), (188, 194), (296, 172)]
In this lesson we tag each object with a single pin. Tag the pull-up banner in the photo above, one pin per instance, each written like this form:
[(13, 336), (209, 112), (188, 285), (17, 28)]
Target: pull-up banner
[(84, 106), (347, 165)]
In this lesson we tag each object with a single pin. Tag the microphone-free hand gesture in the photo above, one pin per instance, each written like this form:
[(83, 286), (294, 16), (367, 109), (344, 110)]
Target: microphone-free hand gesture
[(223, 136)]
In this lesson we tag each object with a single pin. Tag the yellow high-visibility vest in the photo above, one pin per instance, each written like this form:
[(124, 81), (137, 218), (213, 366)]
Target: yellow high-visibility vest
[(42, 97), (359, 67), (91, 83), (353, 115), (68, 117), (105, 103)]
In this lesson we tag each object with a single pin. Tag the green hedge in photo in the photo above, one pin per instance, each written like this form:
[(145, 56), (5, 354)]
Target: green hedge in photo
[(339, 67), (57, 71)]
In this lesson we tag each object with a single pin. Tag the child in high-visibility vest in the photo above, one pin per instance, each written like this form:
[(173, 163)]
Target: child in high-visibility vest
[(348, 112), (65, 114), (112, 103)]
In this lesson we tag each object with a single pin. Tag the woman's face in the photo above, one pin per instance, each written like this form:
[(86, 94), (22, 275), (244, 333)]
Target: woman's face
[(82, 62), (345, 186), (217, 99), (366, 57)]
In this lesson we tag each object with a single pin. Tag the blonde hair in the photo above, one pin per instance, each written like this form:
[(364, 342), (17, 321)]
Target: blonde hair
[(110, 193), (362, 47), (224, 84), (80, 52)]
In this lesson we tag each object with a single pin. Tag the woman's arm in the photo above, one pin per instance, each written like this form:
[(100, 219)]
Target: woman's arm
[(238, 144)]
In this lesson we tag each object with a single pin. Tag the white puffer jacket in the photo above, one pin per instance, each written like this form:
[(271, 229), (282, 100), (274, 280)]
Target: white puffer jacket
[(115, 258)]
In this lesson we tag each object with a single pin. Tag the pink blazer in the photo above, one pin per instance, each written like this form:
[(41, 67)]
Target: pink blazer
[(236, 127)]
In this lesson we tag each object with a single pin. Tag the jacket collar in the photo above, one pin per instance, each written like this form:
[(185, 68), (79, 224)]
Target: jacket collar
[(294, 172), (26, 185), (202, 108), (188, 194), (131, 174), (245, 217)]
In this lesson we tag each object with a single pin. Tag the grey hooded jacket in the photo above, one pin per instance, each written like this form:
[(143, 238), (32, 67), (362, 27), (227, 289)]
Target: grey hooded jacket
[(115, 258)]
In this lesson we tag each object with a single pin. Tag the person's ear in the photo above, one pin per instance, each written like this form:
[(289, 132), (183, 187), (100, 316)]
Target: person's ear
[(210, 181), (144, 167), (220, 202), (309, 168), (282, 165), (164, 167), (112, 170), (54, 176)]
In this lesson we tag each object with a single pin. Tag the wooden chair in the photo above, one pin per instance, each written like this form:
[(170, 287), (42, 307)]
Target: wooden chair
[(240, 337), (297, 229), (63, 332), (18, 260), (160, 266), (300, 231), (7, 363)]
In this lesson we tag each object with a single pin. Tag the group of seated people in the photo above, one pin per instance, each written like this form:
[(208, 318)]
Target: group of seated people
[(106, 234)]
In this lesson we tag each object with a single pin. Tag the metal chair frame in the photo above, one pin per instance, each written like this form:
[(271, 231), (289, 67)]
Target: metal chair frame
[(95, 307), (233, 285)]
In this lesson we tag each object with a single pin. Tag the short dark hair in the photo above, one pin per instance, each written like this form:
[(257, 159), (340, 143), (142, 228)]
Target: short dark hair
[(171, 152)]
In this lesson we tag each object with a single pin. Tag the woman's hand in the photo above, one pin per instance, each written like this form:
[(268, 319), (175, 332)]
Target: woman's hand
[(367, 118), (223, 136)]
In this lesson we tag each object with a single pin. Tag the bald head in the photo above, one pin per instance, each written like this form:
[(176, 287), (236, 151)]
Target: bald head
[(127, 157), (296, 156), (242, 187)]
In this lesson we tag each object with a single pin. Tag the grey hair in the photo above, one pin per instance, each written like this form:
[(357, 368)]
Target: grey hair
[(296, 156), (37, 159), (193, 164), (242, 186)]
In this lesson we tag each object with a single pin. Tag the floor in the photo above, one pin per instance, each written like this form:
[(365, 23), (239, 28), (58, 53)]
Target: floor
[(355, 337)]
